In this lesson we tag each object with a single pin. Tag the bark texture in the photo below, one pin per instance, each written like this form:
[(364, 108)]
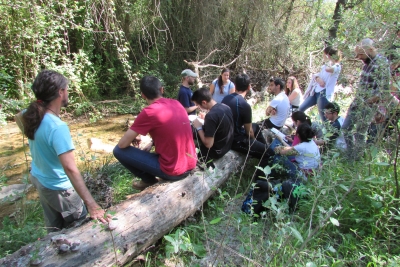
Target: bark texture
[(141, 221)]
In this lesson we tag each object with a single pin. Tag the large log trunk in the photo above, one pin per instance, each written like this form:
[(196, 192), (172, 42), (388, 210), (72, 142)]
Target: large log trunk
[(141, 221)]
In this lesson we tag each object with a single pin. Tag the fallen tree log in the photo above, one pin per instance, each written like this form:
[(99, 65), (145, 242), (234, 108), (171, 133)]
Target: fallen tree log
[(141, 221)]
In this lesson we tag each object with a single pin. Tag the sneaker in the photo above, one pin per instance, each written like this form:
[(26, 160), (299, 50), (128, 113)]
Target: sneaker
[(140, 185)]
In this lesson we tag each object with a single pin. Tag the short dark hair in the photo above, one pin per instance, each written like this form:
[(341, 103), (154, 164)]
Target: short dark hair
[(200, 95), (150, 86), (280, 82), (332, 107), (242, 82)]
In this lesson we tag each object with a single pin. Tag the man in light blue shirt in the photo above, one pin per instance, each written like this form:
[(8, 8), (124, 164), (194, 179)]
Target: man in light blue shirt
[(54, 173)]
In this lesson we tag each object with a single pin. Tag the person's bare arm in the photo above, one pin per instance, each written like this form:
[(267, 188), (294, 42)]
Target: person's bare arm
[(292, 96), (270, 111), (286, 150), (191, 109), (212, 88), (68, 162), (249, 130), (18, 120), (232, 90), (127, 139), (208, 142)]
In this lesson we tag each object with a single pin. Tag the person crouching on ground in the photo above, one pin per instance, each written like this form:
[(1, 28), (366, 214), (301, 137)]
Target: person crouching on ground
[(217, 133), (168, 124)]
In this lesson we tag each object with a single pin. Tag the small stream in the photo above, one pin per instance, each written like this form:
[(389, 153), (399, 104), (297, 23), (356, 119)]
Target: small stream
[(15, 157)]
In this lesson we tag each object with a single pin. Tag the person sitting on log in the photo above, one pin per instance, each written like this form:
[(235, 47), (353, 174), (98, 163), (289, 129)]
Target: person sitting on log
[(168, 124), (216, 136), (247, 135), (62, 191), (278, 109)]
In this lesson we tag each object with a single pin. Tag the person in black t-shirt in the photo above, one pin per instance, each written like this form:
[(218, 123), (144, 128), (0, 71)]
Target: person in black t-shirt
[(247, 135), (217, 133)]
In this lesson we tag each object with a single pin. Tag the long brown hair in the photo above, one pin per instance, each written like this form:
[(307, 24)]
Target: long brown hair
[(220, 82), (295, 85), (45, 87)]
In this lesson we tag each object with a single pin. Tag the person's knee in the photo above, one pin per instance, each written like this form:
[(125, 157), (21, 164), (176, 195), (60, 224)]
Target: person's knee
[(118, 152)]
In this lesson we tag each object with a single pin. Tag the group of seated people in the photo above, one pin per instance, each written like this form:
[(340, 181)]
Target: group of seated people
[(228, 123), (222, 124)]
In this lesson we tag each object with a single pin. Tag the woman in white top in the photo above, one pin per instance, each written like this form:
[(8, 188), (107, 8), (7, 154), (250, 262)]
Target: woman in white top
[(306, 153), (322, 86), (222, 86), (294, 93)]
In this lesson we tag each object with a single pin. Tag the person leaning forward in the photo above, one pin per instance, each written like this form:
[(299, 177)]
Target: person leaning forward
[(216, 135), (168, 124), (53, 169)]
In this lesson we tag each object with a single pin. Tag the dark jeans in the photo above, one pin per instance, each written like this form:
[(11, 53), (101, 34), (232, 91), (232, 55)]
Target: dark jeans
[(256, 147), (143, 164), (267, 124)]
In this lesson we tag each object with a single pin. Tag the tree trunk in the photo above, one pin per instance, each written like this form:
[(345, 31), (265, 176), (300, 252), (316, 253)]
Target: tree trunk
[(337, 18), (141, 221)]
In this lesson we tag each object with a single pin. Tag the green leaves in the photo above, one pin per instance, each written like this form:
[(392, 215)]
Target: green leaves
[(216, 220)]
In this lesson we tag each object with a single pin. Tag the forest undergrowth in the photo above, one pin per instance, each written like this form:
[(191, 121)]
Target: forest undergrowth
[(348, 216)]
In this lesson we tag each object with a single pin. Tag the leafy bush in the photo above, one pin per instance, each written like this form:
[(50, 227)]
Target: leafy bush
[(26, 228)]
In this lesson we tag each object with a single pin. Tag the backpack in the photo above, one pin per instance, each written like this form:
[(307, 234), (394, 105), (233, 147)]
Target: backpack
[(255, 198)]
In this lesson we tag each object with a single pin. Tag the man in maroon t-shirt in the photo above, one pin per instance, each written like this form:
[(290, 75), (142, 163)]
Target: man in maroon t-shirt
[(168, 124)]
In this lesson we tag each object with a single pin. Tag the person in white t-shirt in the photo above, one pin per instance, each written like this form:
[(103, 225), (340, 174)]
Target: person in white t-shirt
[(278, 108), (322, 86), (306, 153)]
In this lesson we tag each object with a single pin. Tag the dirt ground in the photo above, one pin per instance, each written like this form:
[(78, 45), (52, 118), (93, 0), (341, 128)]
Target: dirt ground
[(15, 157)]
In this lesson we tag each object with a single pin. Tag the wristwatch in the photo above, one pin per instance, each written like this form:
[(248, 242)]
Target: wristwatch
[(199, 128)]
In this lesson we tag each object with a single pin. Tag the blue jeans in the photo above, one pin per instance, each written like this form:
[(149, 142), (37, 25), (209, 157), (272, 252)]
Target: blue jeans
[(318, 99), (143, 164)]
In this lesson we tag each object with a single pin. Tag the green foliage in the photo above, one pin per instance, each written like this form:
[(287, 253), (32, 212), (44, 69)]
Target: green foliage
[(181, 242), (26, 228)]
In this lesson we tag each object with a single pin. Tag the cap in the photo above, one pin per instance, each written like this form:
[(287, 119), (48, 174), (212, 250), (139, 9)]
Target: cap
[(188, 73)]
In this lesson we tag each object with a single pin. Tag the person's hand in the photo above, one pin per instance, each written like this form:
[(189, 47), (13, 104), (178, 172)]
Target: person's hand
[(270, 111), (136, 141), (202, 115), (148, 147), (196, 123), (277, 150), (289, 138), (97, 213)]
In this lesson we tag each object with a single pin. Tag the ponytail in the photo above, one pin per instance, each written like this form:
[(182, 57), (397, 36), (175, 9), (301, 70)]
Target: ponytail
[(45, 87)]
